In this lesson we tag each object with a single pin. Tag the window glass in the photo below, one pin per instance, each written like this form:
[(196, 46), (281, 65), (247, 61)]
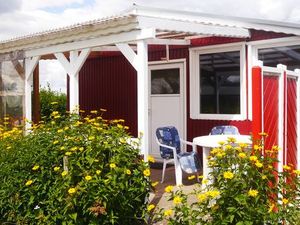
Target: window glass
[(165, 81), (11, 92), (287, 55), (220, 83)]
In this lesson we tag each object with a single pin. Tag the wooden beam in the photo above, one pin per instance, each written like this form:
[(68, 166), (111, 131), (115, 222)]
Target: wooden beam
[(99, 41), (17, 55), (64, 62), (19, 68), (30, 64), (158, 41), (143, 98), (129, 54), (36, 96)]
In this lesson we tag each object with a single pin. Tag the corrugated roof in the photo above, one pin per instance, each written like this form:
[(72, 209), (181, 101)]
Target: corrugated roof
[(129, 20)]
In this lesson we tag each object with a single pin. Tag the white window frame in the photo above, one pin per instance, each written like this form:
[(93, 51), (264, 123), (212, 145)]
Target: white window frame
[(195, 81), (253, 47)]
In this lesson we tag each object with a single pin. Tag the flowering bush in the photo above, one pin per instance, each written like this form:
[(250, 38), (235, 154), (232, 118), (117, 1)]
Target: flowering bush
[(72, 171), (243, 188)]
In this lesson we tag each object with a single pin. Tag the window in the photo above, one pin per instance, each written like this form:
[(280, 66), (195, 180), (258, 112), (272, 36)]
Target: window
[(165, 81), (216, 83), (286, 55)]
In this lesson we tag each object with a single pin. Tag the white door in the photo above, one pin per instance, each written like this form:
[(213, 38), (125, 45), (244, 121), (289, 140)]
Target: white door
[(166, 100)]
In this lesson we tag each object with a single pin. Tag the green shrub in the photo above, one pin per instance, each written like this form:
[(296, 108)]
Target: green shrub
[(72, 171), (243, 188), (52, 100)]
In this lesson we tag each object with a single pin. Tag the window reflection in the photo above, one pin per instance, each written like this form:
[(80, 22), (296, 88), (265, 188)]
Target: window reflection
[(165, 81), (287, 55), (220, 83)]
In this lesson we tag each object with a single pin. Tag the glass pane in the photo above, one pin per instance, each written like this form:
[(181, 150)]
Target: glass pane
[(220, 83), (11, 92), (166, 81), (289, 56)]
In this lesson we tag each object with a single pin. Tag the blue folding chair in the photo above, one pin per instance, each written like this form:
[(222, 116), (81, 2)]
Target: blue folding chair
[(170, 145), (224, 130)]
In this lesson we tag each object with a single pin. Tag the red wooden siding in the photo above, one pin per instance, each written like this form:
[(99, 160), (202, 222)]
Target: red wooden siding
[(291, 151), (110, 83), (270, 109)]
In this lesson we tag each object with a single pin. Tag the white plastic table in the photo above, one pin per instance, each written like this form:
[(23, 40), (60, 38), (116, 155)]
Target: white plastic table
[(212, 141)]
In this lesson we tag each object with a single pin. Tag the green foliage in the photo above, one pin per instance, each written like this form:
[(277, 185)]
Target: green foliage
[(243, 188), (52, 100), (72, 171)]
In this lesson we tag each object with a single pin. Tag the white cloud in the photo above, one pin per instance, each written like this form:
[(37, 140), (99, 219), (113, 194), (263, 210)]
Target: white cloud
[(40, 4), (52, 72), (32, 16)]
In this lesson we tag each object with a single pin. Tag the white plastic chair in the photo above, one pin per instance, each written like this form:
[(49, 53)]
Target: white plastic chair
[(171, 145)]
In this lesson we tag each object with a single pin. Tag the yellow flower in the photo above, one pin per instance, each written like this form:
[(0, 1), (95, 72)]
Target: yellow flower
[(72, 191), (29, 182), (60, 131), (213, 193), (74, 148), (146, 172), (154, 184), (64, 173), (192, 177), (120, 126), (55, 142), (81, 149), (271, 208), (112, 165), (36, 167), (286, 167), (242, 155), (285, 201), (258, 164), (231, 140), (128, 172), (62, 148), (126, 127), (57, 168), (228, 175), (54, 103), (168, 212), (243, 145), (204, 181), (297, 172), (257, 147), (98, 172), (264, 177), (177, 200), (150, 207), (221, 142), (94, 111), (252, 192), (253, 158), (88, 178), (201, 197), (151, 159), (169, 189), (68, 153), (91, 138), (103, 110), (228, 147)]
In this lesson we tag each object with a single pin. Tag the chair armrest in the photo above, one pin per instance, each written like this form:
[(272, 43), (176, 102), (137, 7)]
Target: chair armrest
[(189, 143)]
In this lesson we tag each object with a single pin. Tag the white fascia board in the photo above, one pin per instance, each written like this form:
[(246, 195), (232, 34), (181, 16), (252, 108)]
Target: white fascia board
[(159, 41), (191, 27), (130, 36)]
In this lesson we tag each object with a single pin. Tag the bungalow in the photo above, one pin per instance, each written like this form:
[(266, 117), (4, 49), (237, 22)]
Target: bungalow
[(155, 67)]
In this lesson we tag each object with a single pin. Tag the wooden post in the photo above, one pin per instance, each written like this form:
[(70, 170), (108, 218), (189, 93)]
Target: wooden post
[(143, 87), (257, 110), (36, 96)]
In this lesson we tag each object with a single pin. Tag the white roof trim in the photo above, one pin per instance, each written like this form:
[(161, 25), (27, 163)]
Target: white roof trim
[(191, 27)]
